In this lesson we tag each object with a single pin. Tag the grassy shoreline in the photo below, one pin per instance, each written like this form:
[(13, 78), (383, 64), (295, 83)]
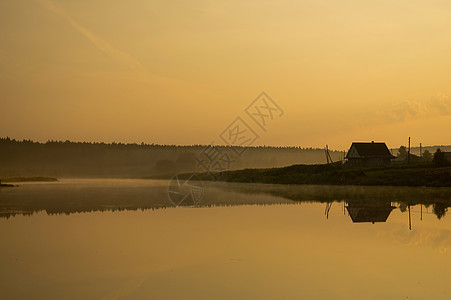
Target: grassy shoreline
[(28, 179), (338, 174), (6, 185)]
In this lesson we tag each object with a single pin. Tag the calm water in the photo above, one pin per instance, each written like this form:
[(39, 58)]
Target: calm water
[(122, 239)]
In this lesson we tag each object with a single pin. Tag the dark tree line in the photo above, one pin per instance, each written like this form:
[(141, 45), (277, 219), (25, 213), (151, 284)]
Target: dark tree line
[(86, 159), (438, 158)]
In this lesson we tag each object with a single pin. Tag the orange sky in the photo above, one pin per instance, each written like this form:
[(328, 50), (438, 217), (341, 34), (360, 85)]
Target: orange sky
[(180, 72)]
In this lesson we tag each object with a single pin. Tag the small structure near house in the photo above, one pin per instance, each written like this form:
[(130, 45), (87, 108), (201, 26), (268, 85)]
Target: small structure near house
[(403, 159), (447, 156), (369, 154)]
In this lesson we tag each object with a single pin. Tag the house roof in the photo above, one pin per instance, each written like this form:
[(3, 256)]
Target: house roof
[(369, 214), (370, 150)]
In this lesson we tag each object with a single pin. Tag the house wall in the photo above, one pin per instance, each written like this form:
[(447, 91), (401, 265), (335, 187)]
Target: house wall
[(352, 153), (368, 162)]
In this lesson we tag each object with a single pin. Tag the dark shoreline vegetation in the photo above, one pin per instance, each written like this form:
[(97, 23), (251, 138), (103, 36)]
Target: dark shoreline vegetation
[(25, 179), (118, 160), (6, 185), (421, 174), (28, 179)]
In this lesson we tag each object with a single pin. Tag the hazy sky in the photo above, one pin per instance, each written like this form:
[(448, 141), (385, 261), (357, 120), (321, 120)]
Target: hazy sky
[(180, 72)]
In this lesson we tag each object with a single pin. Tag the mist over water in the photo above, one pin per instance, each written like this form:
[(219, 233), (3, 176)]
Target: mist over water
[(123, 239), (225, 150)]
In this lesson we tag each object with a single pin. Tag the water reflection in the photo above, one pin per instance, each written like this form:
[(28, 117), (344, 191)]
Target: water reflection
[(361, 212), (288, 250), (91, 195), (363, 204)]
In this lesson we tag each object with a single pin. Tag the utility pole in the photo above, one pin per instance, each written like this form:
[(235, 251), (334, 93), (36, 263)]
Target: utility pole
[(325, 152), (410, 221), (408, 153), (328, 157)]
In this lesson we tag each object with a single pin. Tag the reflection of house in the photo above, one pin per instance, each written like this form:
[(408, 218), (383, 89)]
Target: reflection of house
[(362, 212), (369, 154)]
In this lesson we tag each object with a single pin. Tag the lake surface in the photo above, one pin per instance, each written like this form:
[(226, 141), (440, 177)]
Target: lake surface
[(124, 239)]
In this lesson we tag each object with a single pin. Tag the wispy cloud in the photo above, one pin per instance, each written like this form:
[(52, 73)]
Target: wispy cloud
[(438, 105), (97, 41), (395, 114), (404, 111), (177, 87), (438, 239), (127, 289)]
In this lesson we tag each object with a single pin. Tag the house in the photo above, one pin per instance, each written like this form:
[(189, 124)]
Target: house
[(371, 213), (369, 154)]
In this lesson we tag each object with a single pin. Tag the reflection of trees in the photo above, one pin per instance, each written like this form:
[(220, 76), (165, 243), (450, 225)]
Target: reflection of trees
[(403, 207), (115, 199), (327, 193), (112, 198), (440, 209), (404, 196), (59, 199)]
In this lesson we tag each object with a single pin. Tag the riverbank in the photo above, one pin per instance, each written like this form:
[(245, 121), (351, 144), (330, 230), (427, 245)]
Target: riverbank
[(28, 179), (339, 174), (6, 185)]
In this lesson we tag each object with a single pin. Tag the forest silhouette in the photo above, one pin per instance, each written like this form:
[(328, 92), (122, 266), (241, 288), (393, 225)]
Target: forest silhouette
[(98, 159)]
